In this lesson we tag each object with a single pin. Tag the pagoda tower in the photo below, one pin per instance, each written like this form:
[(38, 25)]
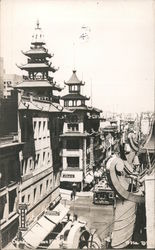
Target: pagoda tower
[(39, 126), (74, 99), (81, 149), (39, 68)]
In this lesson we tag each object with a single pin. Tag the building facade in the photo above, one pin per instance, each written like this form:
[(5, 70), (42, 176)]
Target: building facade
[(39, 128), (81, 149), (9, 187)]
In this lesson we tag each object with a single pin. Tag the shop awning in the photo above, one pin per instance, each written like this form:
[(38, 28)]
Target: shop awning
[(45, 225), (38, 232), (71, 176), (57, 214)]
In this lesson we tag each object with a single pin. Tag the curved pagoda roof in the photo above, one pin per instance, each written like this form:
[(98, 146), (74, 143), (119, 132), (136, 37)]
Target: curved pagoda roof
[(37, 66), (37, 52), (74, 80), (74, 97), (38, 84)]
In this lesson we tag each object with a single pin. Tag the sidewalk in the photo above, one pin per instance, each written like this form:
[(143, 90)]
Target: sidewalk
[(66, 196), (67, 193)]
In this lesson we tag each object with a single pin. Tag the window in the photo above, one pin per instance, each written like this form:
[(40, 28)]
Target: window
[(73, 144), (66, 103), (44, 125), (12, 197), (30, 165), (28, 198), (35, 129), (34, 125), (36, 163), (74, 103), (34, 194), (23, 198), (38, 157), (41, 187), (48, 157), (39, 130), (73, 127), (43, 156), (44, 129), (73, 162), (25, 166), (47, 184), (74, 88), (3, 201)]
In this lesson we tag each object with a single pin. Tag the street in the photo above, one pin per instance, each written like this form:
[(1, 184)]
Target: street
[(99, 217)]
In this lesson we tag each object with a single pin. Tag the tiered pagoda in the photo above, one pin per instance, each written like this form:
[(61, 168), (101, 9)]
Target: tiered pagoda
[(39, 67), (39, 127), (81, 149), (74, 98)]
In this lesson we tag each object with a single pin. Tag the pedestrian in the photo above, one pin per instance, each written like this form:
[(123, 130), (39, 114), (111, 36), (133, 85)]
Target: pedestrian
[(74, 194), (74, 190), (71, 195)]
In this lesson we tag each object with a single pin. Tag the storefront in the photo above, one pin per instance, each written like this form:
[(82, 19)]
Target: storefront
[(69, 177)]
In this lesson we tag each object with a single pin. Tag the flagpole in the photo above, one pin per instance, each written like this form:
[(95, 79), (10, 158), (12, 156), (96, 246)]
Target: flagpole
[(74, 55)]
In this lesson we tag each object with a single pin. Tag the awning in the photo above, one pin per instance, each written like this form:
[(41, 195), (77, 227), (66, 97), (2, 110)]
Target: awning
[(45, 225), (57, 214), (38, 232), (71, 176)]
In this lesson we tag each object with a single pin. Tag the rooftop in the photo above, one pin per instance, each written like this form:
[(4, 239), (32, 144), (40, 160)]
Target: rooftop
[(41, 105), (36, 66), (74, 97), (74, 79), (38, 83), (37, 51)]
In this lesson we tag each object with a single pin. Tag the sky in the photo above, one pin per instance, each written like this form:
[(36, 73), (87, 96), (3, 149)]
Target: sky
[(117, 59)]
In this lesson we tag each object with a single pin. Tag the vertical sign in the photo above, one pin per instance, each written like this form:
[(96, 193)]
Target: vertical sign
[(22, 216)]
